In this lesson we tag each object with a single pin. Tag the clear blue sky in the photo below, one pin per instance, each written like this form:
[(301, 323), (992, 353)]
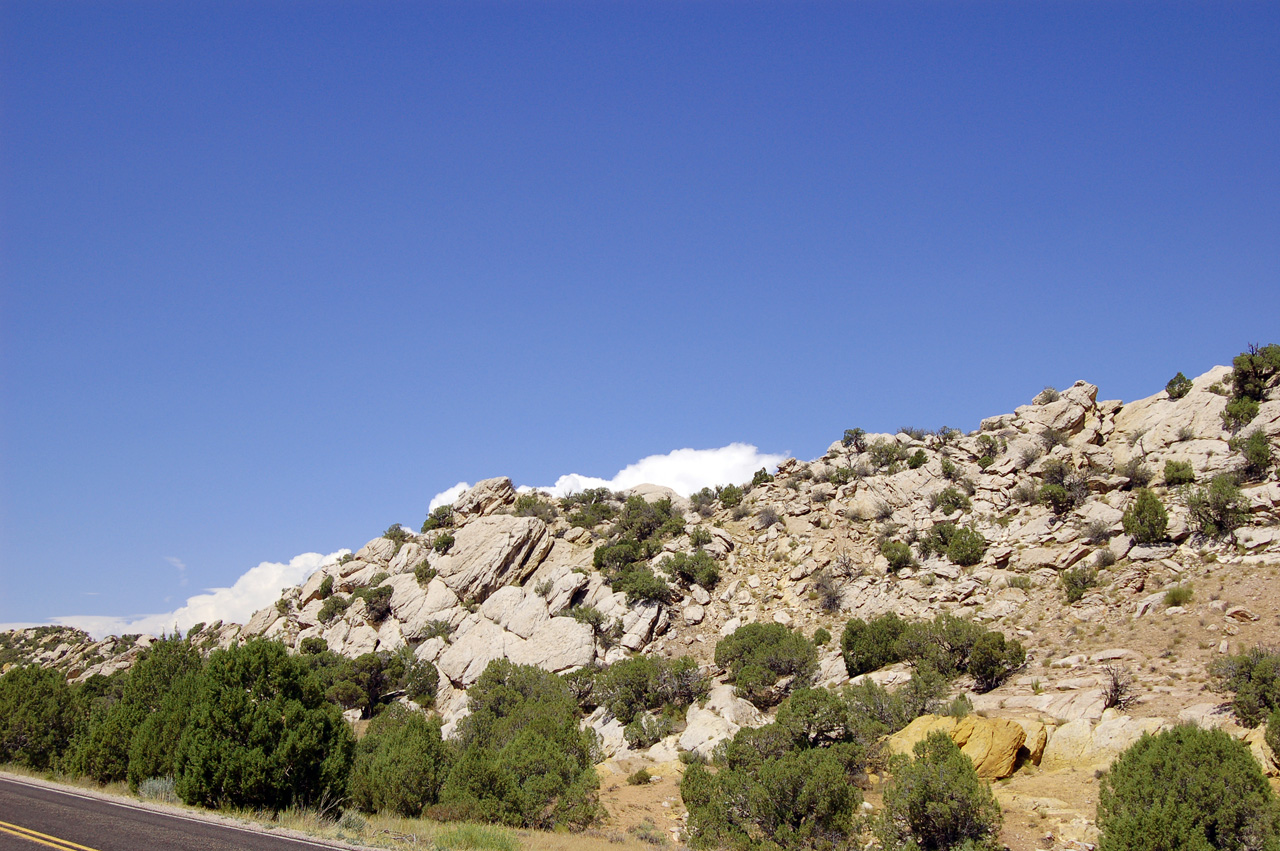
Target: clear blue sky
[(276, 273)]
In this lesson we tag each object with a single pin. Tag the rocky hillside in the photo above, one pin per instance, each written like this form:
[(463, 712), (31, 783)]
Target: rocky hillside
[(997, 525)]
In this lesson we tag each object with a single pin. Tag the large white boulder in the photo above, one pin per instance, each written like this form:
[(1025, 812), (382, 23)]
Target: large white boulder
[(491, 552), (704, 730), (416, 607), (472, 651), (558, 644), (486, 497)]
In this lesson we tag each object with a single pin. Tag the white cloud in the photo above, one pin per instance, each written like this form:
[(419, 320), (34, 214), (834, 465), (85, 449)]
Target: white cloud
[(445, 497), (257, 587), (685, 471), (182, 569)]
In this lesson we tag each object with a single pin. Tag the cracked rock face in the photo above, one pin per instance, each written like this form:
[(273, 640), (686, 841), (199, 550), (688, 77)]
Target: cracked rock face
[(491, 552)]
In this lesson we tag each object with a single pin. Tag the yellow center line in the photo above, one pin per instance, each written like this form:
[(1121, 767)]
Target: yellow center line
[(42, 838)]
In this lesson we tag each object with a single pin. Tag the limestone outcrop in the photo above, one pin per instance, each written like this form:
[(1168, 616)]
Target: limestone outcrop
[(804, 550)]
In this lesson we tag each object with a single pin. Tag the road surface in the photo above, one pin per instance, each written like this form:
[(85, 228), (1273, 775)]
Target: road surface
[(35, 816)]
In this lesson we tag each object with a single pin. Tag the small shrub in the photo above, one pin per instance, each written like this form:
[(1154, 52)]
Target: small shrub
[(1053, 438), (333, 607), (641, 585), (437, 628), (588, 515), (841, 476), (642, 520), (476, 837), (949, 500), (897, 553), (1186, 433), (993, 659), (699, 568), (1097, 532), (1178, 595), (891, 711), (917, 459), (640, 778), (937, 802), (1026, 493), (1254, 678), (1146, 520), (326, 588), (967, 546), (1117, 688), (158, 789), (1022, 582), (854, 438), (1178, 386), (870, 645), (730, 496), (589, 615), (630, 687), (532, 505), (1254, 370), (440, 517), (1178, 473), (988, 449), (1256, 450), (949, 470), (646, 730), (758, 656), (886, 453), (1078, 580), (936, 540), (1218, 508), (1186, 788), (761, 477), (1104, 557), (443, 542), (828, 591), (913, 432), (699, 536), (821, 636), (1272, 734), (943, 644), (1138, 474), (703, 502), (960, 707), (421, 682), (377, 601), (766, 517), (1056, 498), (1047, 395), (1238, 413)]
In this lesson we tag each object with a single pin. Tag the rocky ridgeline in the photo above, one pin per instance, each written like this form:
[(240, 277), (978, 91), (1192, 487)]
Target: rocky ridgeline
[(70, 650), (805, 550)]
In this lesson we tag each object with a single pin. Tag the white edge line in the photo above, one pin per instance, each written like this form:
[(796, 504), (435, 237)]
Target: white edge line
[(48, 786)]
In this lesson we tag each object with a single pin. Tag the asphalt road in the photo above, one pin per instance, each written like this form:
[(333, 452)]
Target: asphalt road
[(37, 816)]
